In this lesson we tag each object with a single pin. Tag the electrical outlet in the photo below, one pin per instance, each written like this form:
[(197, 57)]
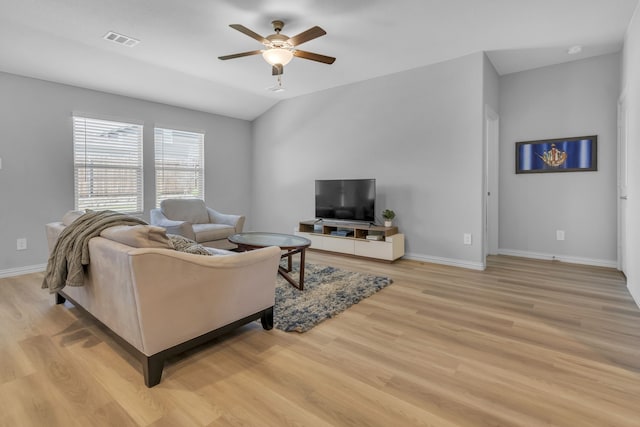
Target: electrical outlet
[(21, 244), (467, 238), (559, 234)]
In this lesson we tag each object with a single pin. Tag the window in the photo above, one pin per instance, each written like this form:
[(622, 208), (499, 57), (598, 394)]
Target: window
[(107, 158), (179, 164)]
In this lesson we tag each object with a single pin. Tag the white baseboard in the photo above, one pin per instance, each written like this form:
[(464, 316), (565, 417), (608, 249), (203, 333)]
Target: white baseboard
[(563, 258), (22, 270), (446, 261), (635, 295)]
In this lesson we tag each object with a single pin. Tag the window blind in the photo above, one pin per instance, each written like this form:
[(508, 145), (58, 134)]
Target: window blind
[(107, 159), (179, 164)]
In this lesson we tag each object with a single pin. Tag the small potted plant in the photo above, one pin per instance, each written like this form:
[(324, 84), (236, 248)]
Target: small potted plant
[(388, 216)]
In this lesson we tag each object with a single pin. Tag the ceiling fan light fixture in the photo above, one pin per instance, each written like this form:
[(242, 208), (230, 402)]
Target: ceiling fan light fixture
[(277, 56)]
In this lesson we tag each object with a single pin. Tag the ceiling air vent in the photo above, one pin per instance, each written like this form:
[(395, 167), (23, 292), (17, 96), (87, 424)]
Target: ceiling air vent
[(121, 39)]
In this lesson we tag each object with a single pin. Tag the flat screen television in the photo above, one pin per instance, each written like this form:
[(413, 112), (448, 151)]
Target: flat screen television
[(346, 199)]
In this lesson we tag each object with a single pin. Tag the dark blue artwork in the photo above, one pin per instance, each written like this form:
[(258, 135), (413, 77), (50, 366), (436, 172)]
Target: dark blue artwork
[(557, 155)]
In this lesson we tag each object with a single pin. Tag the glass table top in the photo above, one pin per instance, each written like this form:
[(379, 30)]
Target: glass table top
[(269, 239)]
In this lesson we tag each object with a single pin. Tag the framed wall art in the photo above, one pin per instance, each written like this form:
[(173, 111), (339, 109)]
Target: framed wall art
[(576, 154)]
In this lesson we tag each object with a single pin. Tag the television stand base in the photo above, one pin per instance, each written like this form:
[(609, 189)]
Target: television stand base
[(358, 239)]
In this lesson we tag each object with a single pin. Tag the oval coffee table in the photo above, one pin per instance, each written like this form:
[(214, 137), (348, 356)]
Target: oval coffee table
[(289, 243)]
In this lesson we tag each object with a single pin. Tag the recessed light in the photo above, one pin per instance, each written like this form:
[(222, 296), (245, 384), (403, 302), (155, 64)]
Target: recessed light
[(574, 50), (121, 39)]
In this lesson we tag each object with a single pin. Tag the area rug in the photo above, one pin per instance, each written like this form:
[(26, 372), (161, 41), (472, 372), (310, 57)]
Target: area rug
[(327, 292)]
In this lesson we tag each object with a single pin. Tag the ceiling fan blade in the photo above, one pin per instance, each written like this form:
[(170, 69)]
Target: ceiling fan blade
[(240, 55), (248, 32), (314, 56), (305, 36)]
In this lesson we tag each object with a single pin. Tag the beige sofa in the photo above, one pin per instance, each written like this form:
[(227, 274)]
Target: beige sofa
[(191, 218), (160, 302)]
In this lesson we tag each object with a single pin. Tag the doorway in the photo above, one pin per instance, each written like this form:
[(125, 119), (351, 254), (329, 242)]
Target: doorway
[(491, 184), (623, 114)]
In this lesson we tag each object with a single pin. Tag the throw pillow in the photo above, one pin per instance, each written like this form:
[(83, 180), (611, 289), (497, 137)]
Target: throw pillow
[(182, 244)]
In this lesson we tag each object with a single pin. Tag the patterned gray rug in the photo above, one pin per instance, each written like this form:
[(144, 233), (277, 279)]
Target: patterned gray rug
[(327, 292)]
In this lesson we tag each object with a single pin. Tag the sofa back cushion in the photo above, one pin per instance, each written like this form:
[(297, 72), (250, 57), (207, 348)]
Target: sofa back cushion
[(190, 210), (71, 216), (139, 236)]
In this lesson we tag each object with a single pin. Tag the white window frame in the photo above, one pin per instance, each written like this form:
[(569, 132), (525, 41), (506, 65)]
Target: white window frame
[(108, 165), (179, 164)]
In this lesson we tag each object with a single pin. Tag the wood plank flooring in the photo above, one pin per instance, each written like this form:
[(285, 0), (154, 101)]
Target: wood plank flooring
[(524, 343)]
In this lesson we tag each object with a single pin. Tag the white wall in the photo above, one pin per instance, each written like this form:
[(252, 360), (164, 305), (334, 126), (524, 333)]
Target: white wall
[(419, 133), (36, 179), (571, 99), (631, 88)]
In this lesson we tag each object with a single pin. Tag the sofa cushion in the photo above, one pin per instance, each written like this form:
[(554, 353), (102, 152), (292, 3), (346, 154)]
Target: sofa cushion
[(211, 232), (139, 236), (190, 210)]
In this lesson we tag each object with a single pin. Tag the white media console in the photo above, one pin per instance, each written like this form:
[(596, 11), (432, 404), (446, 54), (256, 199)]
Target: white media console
[(370, 241)]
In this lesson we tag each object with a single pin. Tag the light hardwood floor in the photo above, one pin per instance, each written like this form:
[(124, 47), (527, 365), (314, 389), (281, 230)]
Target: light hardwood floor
[(524, 343)]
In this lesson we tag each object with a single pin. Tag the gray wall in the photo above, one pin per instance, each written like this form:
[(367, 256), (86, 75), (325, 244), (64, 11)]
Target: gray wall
[(571, 99), (36, 179), (491, 85), (631, 90), (419, 133)]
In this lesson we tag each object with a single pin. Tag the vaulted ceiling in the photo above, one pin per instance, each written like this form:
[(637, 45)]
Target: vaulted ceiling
[(176, 60)]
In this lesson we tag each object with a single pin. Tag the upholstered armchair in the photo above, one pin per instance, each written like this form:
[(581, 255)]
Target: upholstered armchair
[(194, 220)]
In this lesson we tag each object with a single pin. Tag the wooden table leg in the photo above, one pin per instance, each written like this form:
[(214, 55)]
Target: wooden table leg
[(301, 280), (284, 272)]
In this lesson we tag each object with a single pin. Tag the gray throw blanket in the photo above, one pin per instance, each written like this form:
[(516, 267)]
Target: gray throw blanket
[(71, 251)]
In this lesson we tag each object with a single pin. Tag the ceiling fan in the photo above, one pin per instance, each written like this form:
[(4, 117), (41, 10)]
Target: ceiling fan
[(280, 49)]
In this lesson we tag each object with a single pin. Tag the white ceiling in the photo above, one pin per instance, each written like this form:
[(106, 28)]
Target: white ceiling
[(176, 61)]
